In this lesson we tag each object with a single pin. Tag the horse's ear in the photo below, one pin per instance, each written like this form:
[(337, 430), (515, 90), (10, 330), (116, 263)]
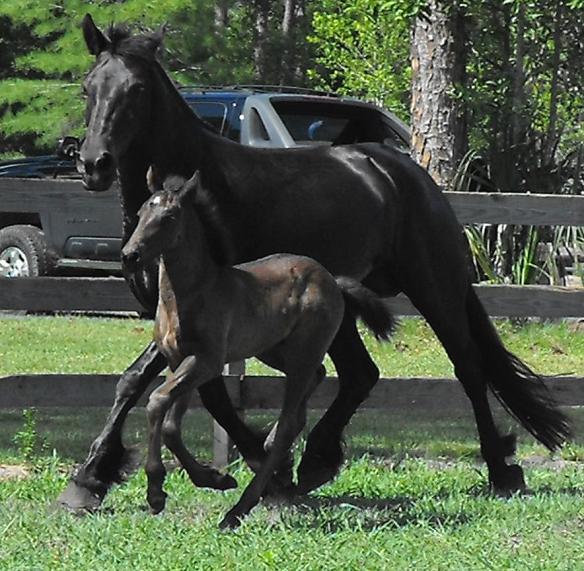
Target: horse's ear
[(94, 38), (190, 188)]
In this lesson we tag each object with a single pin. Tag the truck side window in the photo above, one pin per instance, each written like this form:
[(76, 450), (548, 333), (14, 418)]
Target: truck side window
[(257, 128), (211, 112)]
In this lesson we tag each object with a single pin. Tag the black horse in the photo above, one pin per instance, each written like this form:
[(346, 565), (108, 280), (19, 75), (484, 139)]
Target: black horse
[(366, 211)]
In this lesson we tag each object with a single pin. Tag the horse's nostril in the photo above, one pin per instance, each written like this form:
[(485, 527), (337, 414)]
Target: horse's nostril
[(104, 161)]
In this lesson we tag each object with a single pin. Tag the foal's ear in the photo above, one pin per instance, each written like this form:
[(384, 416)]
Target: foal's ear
[(153, 180), (94, 38), (190, 188)]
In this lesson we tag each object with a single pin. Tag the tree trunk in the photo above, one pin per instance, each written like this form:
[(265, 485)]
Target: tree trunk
[(260, 56), (221, 14), (438, 66)]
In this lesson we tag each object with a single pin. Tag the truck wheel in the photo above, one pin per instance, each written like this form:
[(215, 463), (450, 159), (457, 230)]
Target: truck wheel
[(24, 252)]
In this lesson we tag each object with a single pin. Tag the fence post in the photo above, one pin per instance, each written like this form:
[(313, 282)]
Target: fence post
[(224, 451)]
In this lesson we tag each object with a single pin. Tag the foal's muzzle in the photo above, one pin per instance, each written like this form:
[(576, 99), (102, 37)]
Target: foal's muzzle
[(131, 260)]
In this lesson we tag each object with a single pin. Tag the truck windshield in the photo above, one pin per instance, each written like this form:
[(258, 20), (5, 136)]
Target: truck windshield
[(310, 122)]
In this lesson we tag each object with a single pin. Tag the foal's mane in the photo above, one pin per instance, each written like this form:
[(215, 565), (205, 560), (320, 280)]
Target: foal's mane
[(207, 209)]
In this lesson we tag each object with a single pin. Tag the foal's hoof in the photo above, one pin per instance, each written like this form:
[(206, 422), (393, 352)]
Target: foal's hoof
[(510, 482), (231, 521), (157, 502), (77, 499)]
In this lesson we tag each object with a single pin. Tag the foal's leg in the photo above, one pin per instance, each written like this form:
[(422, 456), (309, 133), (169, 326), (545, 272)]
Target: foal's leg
[(295, 395), (200, 474), (190, 374), (216, 400), (282, 482), (357, 376), (104, 463)]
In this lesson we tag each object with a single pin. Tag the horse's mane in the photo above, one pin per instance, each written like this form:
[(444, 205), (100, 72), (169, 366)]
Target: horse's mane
[(214, 226), (122, 42)]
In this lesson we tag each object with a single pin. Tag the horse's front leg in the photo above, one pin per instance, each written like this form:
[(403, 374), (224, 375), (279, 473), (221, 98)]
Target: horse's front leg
[(191, 373), (105, 462)]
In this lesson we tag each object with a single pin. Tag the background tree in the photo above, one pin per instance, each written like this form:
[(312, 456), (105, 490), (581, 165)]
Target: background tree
[(362, 48), (43, 57), (438, 59)]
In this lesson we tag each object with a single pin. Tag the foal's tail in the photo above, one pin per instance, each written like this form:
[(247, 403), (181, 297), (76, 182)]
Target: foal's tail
[(521, 391), (362, 303)]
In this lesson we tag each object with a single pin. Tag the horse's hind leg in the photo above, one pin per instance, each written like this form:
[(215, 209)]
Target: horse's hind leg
[(357, 376), (450, 324), (200, 474), (105, 460)]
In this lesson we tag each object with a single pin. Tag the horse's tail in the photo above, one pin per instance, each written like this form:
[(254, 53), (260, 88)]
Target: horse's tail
[(363, 304), (521, 391)]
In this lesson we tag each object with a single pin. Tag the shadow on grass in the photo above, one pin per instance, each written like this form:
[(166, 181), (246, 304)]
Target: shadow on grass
[(334, 514)]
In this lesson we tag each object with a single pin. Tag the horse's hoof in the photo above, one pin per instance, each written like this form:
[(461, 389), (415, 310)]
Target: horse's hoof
[(157, 502), (226, 482), (77, 499), (231, 521), (309, 481), (510, 482)]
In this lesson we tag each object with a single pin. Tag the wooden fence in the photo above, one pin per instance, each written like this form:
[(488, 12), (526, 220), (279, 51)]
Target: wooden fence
[(112, 294)]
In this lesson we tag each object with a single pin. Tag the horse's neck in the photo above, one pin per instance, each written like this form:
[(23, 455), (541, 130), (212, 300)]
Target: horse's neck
[(187, 270), (176, 138), (134, 191)]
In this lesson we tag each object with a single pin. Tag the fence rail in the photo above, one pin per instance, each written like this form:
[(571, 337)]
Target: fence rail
[(260, 392), (113, 294)]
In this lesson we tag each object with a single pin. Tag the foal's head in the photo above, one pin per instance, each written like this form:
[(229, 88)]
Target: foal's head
[(161, 223)]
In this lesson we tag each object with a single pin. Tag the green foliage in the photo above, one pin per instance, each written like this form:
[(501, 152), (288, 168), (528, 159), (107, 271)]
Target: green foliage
[(28, 441), (39, 77), (363, 49)]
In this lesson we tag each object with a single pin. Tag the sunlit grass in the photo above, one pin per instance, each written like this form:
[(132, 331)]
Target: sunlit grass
[(96, 345)]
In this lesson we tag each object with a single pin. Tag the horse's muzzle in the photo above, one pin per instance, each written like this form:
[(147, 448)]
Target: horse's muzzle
[(97, 174)]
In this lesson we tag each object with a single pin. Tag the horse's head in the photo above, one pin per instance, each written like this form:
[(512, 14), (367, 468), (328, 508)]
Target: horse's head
[(161, 221), (119, 93)]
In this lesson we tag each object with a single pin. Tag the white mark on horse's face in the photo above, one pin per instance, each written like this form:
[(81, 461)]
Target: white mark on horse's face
[(156, 200)]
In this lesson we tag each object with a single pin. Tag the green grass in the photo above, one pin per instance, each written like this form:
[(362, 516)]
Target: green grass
[(91, 345), (416, 505), (411, 495)]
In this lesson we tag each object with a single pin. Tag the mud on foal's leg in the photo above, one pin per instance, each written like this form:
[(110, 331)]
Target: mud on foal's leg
[(200, 474)]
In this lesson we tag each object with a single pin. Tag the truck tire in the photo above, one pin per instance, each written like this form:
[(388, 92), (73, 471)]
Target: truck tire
[(24, 252)]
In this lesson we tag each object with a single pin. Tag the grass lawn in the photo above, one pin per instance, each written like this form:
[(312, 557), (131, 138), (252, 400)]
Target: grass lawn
[(412, 493), (90, 345)]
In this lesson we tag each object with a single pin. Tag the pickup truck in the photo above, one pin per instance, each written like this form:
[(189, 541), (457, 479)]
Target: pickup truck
[(49, 224)]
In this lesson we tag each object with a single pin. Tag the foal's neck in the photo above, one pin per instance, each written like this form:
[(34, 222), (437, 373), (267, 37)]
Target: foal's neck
[(187, 269)]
